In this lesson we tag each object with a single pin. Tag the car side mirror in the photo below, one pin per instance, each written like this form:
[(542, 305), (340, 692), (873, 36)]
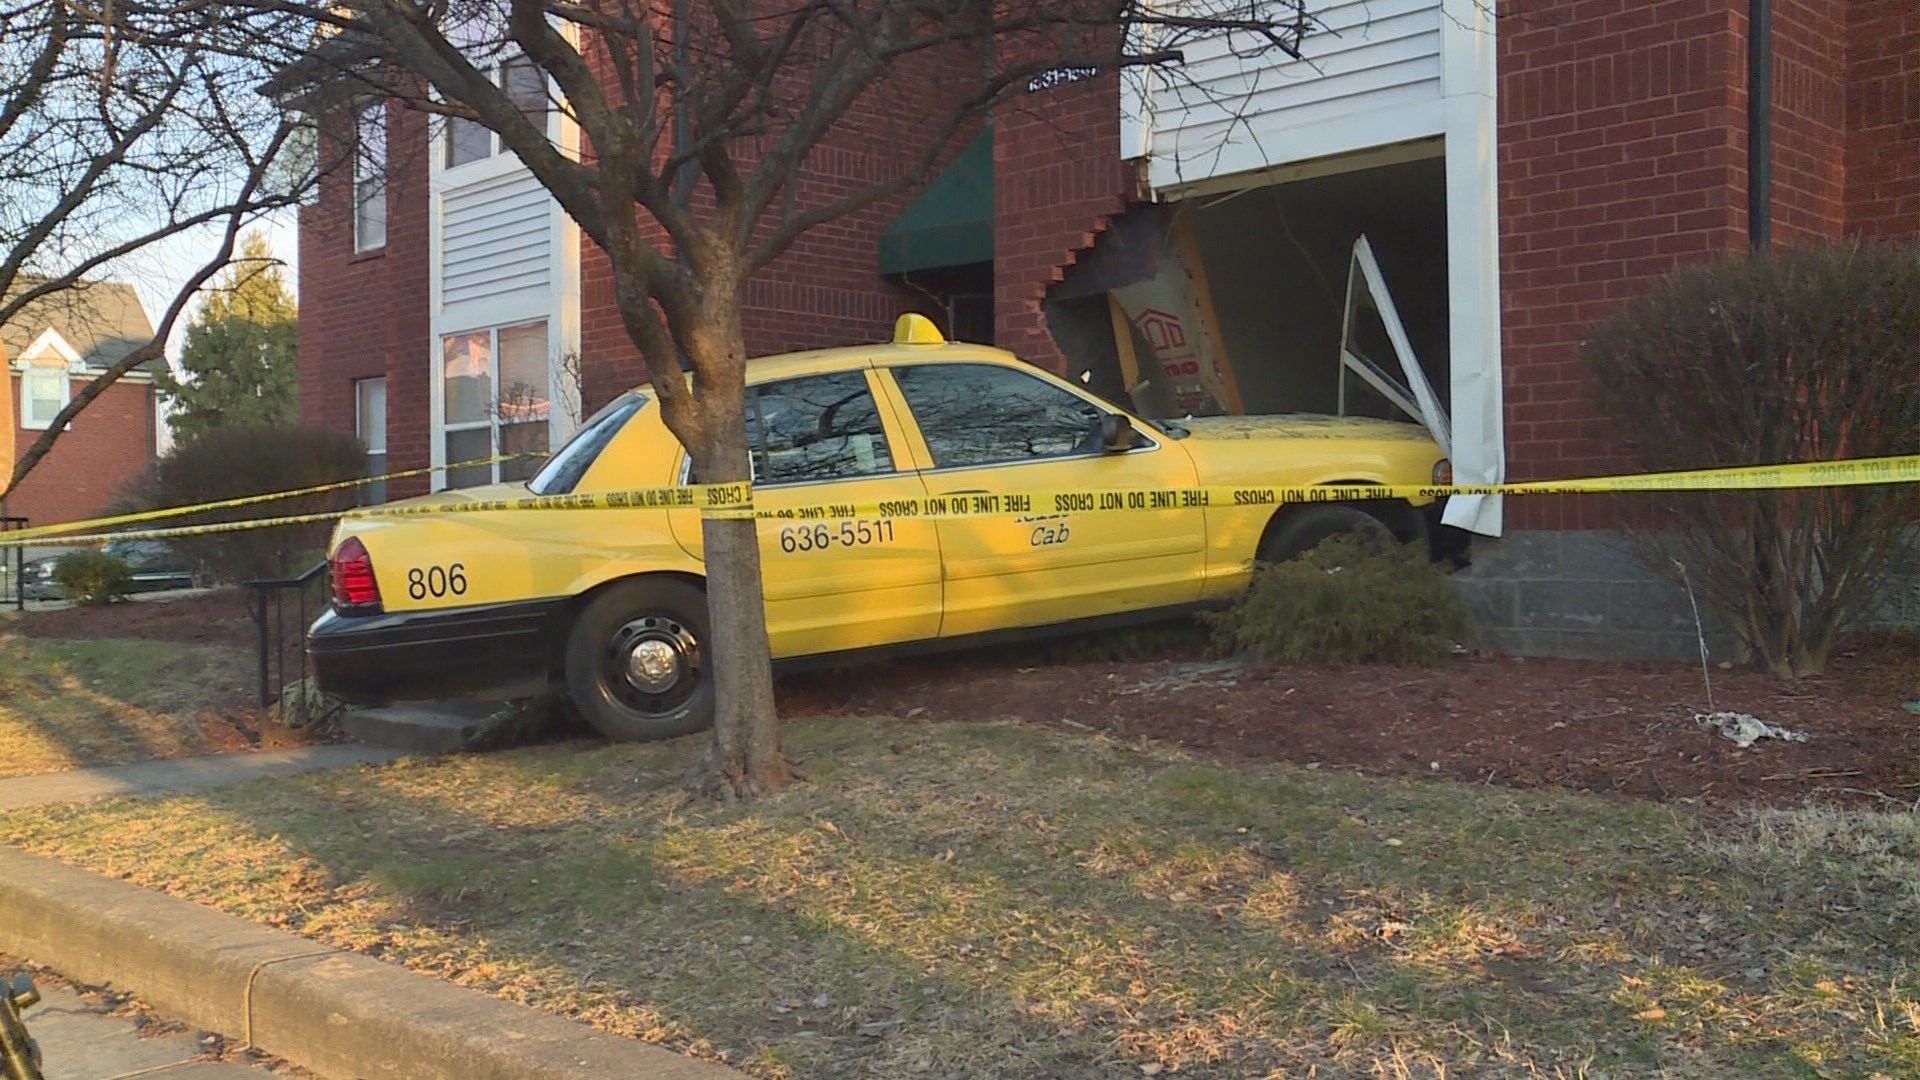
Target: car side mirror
[(1116, 433)]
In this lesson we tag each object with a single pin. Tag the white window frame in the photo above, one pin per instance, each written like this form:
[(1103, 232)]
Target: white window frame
[(442, 427), (558, 305), (369, 174), (49, 354), (374, 440), (496, 149)]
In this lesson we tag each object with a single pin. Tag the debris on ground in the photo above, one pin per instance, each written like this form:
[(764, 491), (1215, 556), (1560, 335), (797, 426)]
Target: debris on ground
[(1187, 677), (1745, 729)]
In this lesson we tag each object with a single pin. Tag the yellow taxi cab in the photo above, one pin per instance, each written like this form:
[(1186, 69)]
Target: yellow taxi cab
[(608, 603)]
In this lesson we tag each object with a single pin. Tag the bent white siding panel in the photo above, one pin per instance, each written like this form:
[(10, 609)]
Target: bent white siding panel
[(496, 239), (1371, 75)]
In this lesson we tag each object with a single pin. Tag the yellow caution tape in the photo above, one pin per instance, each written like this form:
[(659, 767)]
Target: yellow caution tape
[(734, 501), (19, 537)]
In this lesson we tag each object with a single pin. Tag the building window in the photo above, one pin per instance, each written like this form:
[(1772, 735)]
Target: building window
[(468, 141), (370, 176), (496, 399), (370, 423), (44, 390)]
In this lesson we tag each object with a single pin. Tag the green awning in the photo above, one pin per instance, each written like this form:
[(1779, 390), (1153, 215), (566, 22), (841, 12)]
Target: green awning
[(951, 222)]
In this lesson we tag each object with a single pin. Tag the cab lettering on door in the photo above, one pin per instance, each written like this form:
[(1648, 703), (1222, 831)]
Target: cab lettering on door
[(1049, 535)]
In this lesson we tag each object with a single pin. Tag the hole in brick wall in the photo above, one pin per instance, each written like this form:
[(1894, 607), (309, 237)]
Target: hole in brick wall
[(1275, 261)]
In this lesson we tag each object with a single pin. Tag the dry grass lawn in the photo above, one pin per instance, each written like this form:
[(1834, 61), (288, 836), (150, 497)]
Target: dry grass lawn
[(78, 704), (983, 900)]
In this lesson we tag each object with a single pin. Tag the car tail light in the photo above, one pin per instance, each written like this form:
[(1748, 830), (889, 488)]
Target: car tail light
[(352, 572)]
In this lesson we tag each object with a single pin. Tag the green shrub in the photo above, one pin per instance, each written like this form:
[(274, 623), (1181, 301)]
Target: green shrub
[(92, 577), (1350, 599), (1808, 355), (231, 462)]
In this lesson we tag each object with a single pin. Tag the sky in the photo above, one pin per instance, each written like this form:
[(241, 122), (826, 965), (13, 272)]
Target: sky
[(158, 272)]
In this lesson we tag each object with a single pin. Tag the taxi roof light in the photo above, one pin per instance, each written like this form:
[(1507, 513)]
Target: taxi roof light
[(914, 328)]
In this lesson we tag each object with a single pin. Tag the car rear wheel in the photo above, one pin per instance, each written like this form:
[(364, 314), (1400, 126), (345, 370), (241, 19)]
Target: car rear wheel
[(637, 661), (1305, 528)]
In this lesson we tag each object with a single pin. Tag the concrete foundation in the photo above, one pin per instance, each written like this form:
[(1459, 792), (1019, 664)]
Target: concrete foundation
[(1581, 595)]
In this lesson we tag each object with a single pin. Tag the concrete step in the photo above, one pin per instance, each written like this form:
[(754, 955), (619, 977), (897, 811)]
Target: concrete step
[(434, 728)]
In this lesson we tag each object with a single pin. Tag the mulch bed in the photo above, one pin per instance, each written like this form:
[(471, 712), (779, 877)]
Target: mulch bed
[(1611, 729), (1614, 729), (214, 618)]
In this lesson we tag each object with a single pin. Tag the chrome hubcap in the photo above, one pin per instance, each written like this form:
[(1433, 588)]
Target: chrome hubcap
[(652, 664)]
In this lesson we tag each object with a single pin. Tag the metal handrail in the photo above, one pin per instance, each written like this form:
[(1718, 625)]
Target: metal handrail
[(18, 577), (268, 607)]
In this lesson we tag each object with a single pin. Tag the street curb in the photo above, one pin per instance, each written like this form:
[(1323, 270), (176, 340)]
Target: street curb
[(337, 1013)]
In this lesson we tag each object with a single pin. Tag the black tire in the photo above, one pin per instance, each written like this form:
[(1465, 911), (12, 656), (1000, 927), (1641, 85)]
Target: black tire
[(669, 618), (1303, 529)]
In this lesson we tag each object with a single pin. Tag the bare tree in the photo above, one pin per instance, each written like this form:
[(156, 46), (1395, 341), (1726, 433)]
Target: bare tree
[(699, 119), (124, 126)]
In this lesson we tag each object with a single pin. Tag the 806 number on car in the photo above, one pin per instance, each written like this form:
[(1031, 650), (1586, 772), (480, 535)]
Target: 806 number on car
[(437, 581), (823, 535)]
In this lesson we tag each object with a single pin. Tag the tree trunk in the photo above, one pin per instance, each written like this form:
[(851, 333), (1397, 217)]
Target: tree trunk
[(745, 758)]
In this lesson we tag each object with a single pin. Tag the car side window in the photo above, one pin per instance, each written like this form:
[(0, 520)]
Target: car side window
[(816, 428), (983, 414)]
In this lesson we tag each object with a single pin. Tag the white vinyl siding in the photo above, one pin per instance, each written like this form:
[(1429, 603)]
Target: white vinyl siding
[(496, 239), (1371, 76)]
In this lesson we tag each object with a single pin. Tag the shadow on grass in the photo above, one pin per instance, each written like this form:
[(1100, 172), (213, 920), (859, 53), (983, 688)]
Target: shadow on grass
[(985, 900), (80, 704)]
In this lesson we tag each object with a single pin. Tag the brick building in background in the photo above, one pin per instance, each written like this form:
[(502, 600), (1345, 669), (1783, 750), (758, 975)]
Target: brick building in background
[(1197, 236), (54, 347)]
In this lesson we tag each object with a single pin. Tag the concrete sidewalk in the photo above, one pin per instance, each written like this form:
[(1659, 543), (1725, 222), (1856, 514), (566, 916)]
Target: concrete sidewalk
[(79, 1041), (180, 774)]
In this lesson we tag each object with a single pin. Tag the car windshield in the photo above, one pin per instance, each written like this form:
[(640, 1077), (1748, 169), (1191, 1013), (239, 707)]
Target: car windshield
[(565, 468)]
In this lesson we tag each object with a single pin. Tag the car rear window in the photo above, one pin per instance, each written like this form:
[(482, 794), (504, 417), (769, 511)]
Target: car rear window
[(565, 468)]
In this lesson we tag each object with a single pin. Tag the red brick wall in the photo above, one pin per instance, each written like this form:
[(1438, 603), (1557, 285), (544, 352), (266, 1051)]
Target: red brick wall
[(365, 315), (109, 443), (1809, 119), (1883, 118), (1623, 152), (826, 289), (1057, 180), (1619, 141)]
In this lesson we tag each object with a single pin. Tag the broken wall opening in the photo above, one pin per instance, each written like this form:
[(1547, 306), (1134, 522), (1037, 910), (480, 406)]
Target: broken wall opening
[(1256, 281)]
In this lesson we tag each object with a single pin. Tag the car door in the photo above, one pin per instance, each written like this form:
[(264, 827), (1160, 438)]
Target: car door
[(833, 582), (1001, 430)]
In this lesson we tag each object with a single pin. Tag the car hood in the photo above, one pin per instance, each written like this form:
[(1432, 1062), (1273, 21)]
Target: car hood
[(1301, 426)]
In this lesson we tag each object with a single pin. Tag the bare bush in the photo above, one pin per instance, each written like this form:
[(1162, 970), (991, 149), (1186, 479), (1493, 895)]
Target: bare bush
[(1811, 355)]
